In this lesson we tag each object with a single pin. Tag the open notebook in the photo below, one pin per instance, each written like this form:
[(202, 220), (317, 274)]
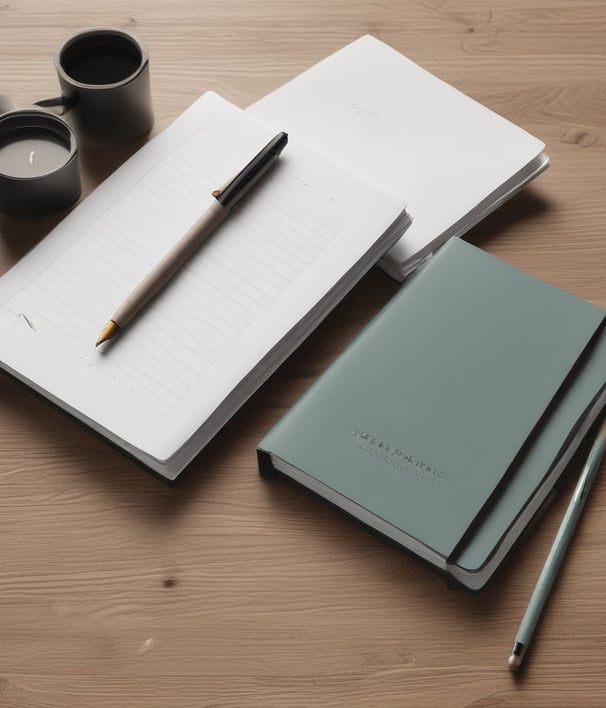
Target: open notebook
[(382, 116), (255, 289)]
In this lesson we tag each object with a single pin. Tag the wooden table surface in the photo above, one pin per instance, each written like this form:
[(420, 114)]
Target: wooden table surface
[(116, 590)]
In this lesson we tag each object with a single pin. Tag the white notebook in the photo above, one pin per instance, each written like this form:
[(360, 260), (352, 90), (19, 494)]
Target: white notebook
[(255, 289), (382, 116)]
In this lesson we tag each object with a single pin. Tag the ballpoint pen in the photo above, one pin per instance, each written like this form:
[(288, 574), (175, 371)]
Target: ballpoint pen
[(225, 199), (558, 550)]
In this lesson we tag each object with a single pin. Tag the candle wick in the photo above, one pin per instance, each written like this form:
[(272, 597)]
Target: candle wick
[(31, 157)]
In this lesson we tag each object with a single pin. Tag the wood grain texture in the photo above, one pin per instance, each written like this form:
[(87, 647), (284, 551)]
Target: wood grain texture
[(229, 590)]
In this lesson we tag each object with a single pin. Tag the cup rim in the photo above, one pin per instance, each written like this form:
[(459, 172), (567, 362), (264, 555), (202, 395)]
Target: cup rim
[(44, 120), (101, 31)]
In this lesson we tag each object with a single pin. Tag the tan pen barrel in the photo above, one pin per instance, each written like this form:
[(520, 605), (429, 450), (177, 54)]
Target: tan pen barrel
[(225, 197), (179, 254)]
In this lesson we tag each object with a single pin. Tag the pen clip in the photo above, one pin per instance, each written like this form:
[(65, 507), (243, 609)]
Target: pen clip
[(233, 190)]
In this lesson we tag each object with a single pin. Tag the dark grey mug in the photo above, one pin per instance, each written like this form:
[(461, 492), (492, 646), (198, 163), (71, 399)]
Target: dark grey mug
[(105, 85)]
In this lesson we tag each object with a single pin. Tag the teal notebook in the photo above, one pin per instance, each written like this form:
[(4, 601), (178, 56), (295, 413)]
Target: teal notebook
[(447, 421)]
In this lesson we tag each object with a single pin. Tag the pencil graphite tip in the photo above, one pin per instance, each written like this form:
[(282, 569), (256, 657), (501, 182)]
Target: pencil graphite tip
[(514, 662), (517, 655), (110, 329)]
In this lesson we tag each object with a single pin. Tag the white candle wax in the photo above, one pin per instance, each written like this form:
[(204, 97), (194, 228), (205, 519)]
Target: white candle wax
[(32, 152)]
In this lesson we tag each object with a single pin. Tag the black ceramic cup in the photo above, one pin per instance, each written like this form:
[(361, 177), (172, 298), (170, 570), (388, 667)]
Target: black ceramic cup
[(105, 85)]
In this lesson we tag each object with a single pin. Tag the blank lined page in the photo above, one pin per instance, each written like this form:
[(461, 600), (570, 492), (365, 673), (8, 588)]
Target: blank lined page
[(382, 116), (262, 270), (234, 278)]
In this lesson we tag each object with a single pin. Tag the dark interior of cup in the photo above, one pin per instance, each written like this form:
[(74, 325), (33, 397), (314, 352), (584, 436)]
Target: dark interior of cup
[(47, 125), (101, 58)]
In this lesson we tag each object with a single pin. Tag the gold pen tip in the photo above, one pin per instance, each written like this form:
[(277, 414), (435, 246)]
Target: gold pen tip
[(110, 329)]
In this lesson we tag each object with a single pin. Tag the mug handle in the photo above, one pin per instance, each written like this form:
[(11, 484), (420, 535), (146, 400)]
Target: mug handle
[(62, 101)]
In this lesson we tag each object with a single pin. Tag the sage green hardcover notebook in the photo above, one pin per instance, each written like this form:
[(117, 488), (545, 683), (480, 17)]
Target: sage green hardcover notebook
[(447, 421)]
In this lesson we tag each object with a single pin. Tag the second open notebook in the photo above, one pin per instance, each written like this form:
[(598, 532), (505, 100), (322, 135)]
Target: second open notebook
[(252, 293)]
